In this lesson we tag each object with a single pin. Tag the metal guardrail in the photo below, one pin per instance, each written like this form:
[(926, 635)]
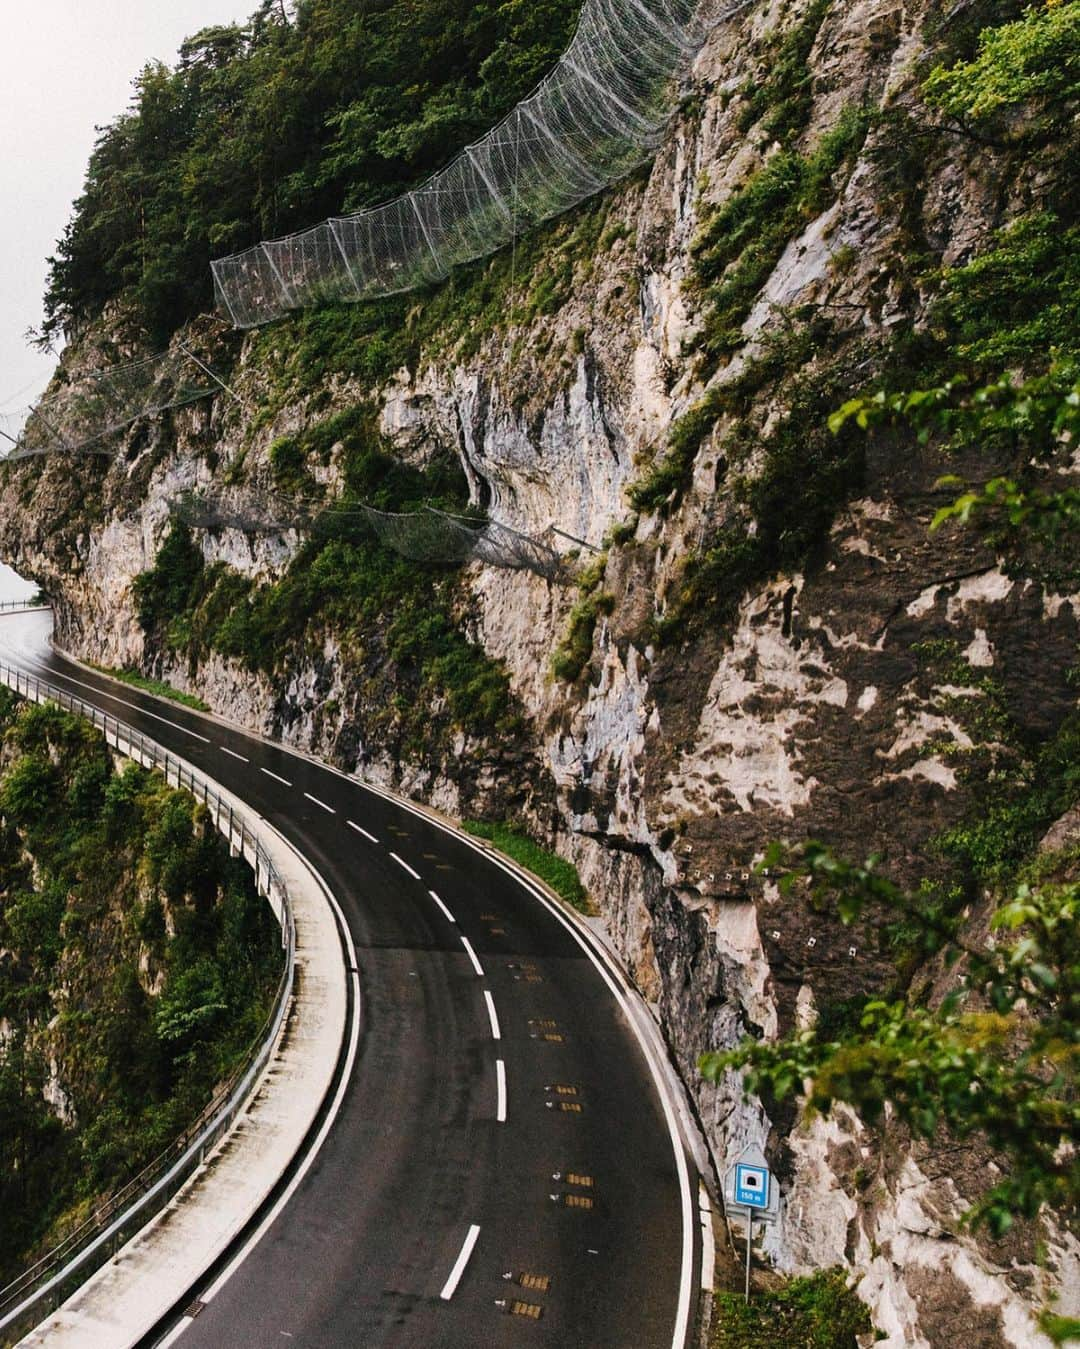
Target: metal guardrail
[(42, 1287), (10, 606)]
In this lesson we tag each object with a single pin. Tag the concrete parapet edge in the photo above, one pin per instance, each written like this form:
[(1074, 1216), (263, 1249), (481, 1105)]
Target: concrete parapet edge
[(124, 1299)]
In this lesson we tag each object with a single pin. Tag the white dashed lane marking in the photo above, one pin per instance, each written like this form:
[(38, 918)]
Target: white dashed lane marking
[(233, 754), (493, 1017), (446, 912), (329, 809), (277, 778), (472, 956), (459, 1264), (370, 837), (402, 863), (125, 702)]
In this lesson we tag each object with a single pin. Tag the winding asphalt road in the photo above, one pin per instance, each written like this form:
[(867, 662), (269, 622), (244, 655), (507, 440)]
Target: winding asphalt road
[(503, 1170)]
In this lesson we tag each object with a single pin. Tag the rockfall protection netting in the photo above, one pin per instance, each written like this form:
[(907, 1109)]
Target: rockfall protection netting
[(80, 416), (596, 117), (429, 536)]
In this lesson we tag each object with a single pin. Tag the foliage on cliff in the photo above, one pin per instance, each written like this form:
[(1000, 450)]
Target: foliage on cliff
[(396, 623), (269, 126), (138, 963), (819, 1312), (989, 1051), (997, 1057), (1014, 303)]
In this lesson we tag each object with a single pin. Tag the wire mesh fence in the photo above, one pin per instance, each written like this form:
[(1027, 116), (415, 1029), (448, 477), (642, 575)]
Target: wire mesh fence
[(79, 416), (37, 601), (428, 536), (435, 536), (43, 1286), (596, 116), (264, 513)]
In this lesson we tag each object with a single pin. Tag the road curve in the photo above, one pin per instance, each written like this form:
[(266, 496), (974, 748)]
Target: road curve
[(504, 1169)]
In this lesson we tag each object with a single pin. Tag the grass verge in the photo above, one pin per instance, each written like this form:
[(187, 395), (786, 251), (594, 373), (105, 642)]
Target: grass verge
[(817, 1312), (157, 686), (561, 875)]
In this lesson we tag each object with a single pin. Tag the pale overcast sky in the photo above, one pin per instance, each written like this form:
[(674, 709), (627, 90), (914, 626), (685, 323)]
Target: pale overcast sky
[(68, 68)]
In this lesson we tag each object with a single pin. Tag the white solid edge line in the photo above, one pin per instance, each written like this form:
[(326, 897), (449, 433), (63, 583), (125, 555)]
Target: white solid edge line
[(686, 1290), (174, 1334), (329, 809), (452, 1282), (276, 776), (446, 912), (233, 754), (402, 863), (124, 702), (370, 837), (686, 1285), (320, 1138), (493, 1016), (500, 1087), (472, 956)]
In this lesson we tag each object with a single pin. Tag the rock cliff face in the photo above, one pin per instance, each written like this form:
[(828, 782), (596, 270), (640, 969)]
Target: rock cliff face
[(845, 692)]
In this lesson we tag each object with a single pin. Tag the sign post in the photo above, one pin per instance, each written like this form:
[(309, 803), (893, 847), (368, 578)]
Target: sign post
[(749, 1186)]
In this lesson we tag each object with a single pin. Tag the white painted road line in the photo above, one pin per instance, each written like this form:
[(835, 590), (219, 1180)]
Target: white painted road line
[(496, 1034), (233, 754), (653, 1059), (446, 912), (284, 781), (472, 956), (174, 1334), (370, 837), (329, 809), (309, 1157), (401, 863), (452, 1282), (500, 1087), (103, 693)]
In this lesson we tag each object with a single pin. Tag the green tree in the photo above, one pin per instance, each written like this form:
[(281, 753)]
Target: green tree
[(269, 126)]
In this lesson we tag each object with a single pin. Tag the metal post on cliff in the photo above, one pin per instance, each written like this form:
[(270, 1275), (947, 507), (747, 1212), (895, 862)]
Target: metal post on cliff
[(749, 1187)]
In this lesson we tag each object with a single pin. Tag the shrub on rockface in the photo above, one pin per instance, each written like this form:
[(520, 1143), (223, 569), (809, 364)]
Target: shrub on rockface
[(265, 127), (397, 621), (1013, 305), (166, 589)]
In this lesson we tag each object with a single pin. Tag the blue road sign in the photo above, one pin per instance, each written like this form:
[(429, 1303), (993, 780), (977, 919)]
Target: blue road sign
[(752, 1186)]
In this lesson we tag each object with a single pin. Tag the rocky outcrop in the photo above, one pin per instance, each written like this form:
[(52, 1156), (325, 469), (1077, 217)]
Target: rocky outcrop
[(828, 703)]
